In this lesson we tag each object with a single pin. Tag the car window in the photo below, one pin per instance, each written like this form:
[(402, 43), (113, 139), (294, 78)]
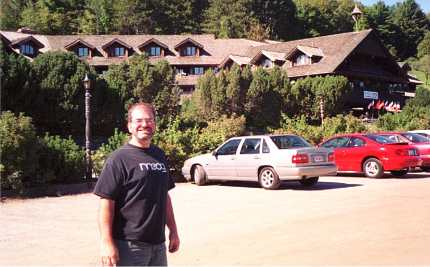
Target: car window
[(415, 138), (356, 142), (393, 137), (266, 148), (289, 141), (380, 139), (251, 146), (229, 148), (336, 142)]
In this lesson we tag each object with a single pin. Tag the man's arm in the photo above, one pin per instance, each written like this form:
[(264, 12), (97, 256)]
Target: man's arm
[(171, 224), (108, 250)]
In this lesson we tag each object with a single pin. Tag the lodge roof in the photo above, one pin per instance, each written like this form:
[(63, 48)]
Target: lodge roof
[(333, 50)]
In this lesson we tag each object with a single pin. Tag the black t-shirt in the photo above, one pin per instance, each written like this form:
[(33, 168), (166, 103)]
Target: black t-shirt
[(138, 180)]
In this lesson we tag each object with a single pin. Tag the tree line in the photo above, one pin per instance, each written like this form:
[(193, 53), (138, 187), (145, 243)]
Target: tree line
[(401, 26)]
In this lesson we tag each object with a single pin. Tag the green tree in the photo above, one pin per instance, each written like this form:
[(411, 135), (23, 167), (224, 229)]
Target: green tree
[(10, 13), (52, 16), (424, 46), (203, 94), (380, 18), (278, 16), (59, 92), (227, 18), (15, 74), (97, 17), (413, 24)]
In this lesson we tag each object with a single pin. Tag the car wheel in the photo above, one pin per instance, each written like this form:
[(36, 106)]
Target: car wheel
[(309, 181), (399, 173), (426, 169), (200, 177), (268, 178), (373, 168)]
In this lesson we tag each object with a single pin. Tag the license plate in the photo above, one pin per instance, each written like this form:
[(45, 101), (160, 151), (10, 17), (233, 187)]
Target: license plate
[(318, 158)]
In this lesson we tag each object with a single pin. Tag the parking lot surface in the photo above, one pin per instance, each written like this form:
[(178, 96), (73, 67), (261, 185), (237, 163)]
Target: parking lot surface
[(343, 220)]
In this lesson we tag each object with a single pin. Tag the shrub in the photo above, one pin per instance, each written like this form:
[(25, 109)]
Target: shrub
[(176, 142), (217, 132), (342, 124), (114, 142), (18, 145), (299, 126), (61, 160)]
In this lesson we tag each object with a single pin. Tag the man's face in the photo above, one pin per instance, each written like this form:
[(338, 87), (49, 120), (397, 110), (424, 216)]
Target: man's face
[(142, 124)]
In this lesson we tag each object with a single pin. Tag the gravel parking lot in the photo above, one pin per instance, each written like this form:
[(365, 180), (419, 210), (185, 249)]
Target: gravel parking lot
[(340, 221)]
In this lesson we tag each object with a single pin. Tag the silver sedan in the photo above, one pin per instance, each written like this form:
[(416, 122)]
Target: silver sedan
[(268, 159)]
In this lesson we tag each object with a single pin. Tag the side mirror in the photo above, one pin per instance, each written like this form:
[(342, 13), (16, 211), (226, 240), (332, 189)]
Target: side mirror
[(215, 153)]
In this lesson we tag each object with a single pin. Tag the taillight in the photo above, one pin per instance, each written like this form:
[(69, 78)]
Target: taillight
[(407, 152), (402, 152), (300, 158), (331, 156)]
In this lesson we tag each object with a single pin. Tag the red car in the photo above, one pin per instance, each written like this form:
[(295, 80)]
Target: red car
[(372, 154), (418, 141)]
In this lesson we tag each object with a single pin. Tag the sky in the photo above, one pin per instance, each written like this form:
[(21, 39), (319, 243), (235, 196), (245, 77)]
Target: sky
[(424, 4)]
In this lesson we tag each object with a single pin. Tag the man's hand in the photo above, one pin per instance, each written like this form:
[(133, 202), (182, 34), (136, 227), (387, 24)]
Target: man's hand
[(173, 242), (109, 254)]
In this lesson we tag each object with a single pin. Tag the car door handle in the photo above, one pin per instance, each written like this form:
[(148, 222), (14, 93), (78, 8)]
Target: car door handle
[(256, 157), (232, 158)]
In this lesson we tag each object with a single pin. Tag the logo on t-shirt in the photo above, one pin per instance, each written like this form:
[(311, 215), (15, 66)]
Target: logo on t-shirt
[(156, 166)]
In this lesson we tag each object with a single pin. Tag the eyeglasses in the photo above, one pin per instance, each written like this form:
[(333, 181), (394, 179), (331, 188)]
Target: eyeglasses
[(140, 121)]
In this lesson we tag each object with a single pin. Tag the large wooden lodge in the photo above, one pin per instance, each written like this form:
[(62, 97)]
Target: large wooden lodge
[(359, 56)]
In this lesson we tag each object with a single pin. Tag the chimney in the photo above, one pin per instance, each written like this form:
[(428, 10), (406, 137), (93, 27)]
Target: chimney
[(26, 30)]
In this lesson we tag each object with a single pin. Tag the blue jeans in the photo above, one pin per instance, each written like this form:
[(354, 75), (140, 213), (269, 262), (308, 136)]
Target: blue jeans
[(136, 253)]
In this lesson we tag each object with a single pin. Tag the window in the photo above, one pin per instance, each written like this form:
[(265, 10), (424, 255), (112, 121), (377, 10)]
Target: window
[(197, 70), (83, 52), (301, 60), (415, 138), (289, 141), (189, 51), (265, 147), (119, 51), (27, 49), (251, 146), (229, 148), (380, 139), (356, 142), (154, 51), (266, 63), (336, 142)]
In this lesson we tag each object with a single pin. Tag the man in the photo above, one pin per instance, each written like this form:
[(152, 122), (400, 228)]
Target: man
[(135, 205)]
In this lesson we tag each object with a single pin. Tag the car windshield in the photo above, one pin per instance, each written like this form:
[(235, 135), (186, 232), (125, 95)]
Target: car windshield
[(289, 141), (381, 139), (416, 138)]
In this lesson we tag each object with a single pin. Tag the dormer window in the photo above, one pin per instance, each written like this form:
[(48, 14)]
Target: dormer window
[(118, 52), (83, 52), (190, 48), (117, 48), (154, 51), (81, 48), (189, 51), (26, 49), (302, 60), (304, 55)]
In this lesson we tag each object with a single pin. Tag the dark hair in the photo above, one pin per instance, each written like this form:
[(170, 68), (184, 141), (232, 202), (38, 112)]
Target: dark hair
[(137, 105)]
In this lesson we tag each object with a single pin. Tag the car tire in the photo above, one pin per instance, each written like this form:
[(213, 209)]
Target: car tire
[(309, 181), (200, 177), (372, 168), (268, 178), (399, 173), (425, 169)]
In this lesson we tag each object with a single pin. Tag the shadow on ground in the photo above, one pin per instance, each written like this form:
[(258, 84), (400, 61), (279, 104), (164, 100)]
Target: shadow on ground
[(387, 175), (293, 185)]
